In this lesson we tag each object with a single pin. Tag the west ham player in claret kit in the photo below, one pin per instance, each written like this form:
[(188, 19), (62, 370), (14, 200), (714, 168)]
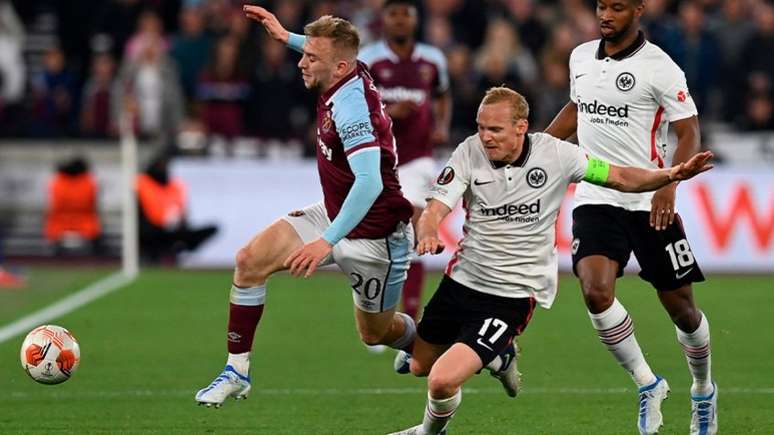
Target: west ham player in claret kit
[(511, 184), (362, 224), (413, 80), (625, 93)]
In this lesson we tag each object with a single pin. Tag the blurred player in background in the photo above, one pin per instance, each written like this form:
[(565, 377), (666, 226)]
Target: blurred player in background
[(512, 185), (413, 80), (363, 222), (624, 93)]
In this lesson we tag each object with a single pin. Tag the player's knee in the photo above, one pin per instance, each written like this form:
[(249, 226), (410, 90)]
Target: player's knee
[(418, 368), (248, 267), (598, 293), (441, 385)]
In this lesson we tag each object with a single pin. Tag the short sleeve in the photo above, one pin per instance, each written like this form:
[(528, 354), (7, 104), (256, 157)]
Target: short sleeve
[(454, 179), (671, 92), (573, 98), (442, 84), (573, 160)]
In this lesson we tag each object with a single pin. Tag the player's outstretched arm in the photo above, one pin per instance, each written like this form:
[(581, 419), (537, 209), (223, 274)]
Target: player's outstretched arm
[(428, 241), (565, 123), (628, 179), (269, 21)]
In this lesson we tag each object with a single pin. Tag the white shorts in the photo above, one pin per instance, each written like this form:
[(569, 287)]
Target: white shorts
[(416, 178), (376, 267)]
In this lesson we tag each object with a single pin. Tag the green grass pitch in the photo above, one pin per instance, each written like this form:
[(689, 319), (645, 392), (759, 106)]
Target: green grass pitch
[(147, 348)]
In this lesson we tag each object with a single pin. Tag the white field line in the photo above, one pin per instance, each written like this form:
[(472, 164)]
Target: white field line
[(96, 394), (65, 306)]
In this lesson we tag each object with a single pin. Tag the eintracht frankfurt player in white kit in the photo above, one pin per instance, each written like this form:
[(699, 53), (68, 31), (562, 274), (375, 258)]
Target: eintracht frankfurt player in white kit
[(511, 185), (625, 92)]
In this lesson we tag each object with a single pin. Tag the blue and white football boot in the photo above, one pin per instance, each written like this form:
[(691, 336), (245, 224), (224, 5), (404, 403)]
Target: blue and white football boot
[(704, 413), (402, 362), (650, 419), (228, 384)]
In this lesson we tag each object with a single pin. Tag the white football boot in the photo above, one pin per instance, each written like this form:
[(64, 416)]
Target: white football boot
[(416, 430), (650, 419), (704, 413), (228, 384)]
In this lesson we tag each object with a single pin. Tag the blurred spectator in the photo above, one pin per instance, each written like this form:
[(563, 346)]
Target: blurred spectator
[(732, 29), (53, 97), (280, 106), (12, 68), (72, 221), (164, 229), (190, 48), (465, 94), (759, 114), (502, 37), (531, 31), (550, 93), (96, 119), (757, 60), (148, 89), (660, 27), (117, 19), (249, 48), (696, 51), (222, 91), (150, 31)]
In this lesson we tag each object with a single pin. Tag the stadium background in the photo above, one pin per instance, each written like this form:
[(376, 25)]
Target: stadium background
[(67, 69)]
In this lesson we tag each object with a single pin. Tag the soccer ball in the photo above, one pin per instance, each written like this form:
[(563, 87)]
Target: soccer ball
[(50, 354)]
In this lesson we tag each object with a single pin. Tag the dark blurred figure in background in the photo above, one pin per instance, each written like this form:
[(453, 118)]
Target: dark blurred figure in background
[(222, 91), (12, 69), (190, 48), (72, 223), (53, 97), (96, 102), (164, 229), (280, 107)]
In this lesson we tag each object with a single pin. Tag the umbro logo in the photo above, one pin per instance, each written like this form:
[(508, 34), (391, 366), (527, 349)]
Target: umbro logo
[(478, 182)]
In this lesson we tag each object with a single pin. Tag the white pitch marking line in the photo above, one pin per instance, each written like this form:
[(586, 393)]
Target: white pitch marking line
[(75, 394), (65, 306)]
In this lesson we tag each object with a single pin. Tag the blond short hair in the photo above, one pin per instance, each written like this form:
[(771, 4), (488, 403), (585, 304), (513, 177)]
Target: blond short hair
[(346, 39), (500, 94)]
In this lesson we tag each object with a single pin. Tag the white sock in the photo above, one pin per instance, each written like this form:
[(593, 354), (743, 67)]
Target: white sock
[(696, 346), (616, 330), (240, 362), (439, 411), (409, 334), (496, 364)]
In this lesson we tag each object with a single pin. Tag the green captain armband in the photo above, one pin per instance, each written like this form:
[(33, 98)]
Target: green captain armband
[(597, 171)]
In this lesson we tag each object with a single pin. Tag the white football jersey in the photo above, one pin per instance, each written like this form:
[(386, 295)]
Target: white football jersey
[(625, 104), (508, 248)]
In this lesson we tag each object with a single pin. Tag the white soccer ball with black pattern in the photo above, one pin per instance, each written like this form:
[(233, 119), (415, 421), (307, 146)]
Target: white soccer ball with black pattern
[(50, 354)]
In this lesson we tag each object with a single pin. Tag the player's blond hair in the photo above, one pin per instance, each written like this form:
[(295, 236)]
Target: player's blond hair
[(500, 94), (345, 37)]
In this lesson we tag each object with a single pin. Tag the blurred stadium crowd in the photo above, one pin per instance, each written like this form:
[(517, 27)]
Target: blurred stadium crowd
[(194, 70)]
